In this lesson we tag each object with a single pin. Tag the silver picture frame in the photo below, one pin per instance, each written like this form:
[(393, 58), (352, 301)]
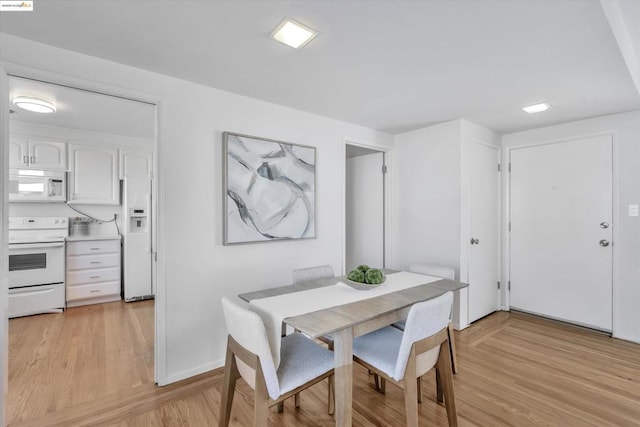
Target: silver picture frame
[(269, 190)]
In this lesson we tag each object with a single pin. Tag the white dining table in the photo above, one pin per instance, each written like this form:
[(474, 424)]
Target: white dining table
[(347, 321)]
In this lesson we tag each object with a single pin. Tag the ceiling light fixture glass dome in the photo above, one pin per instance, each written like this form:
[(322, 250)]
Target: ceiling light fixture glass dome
[(36, 105)]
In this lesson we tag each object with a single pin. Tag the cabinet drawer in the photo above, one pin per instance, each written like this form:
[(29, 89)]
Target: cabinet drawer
[(82, 262), (80, 277), (91, 247), (93, 290)]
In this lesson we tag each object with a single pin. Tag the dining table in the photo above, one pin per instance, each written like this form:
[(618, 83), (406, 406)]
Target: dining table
[(344, 310)]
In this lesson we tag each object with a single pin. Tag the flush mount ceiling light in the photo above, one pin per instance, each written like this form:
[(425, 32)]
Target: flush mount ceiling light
[(537, 108), (293, 33), (36, 105)]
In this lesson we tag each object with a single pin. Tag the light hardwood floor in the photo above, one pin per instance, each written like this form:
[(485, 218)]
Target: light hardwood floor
[(515, 370)]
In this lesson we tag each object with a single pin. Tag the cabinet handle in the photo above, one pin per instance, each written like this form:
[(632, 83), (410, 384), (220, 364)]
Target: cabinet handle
[(93, 291), (32, 159), (95, 262), (94, 249), (94, 277), (25, 160)]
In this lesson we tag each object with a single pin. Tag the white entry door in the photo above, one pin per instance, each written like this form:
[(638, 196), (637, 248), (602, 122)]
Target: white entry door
[(484, 252), (365, 211), (561, 231)]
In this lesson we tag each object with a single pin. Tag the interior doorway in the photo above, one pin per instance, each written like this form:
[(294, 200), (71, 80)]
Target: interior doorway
[(99, 345), (365, 207)]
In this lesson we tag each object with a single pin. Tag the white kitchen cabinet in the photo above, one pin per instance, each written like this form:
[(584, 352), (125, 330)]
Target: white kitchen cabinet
[(36, 153), (93, 271), (93, 175), (135, 162)]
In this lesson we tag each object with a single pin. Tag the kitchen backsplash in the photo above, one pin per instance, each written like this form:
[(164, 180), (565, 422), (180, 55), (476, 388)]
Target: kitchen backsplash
[(61, 209)]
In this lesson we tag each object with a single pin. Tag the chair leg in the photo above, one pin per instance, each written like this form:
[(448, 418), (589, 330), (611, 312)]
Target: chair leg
[(411, 391), (231, 374), (452, 349), (261, 402), (280, 407), (296, 399), (383, 385), (439, 394), (331, 403), (419, 381), (446, 376)]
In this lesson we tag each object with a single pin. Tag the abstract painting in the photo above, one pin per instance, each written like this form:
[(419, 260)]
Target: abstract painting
[(269, 190)]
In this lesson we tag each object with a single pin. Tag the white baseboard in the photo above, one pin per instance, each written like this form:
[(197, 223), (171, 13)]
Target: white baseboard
[(191, 372)]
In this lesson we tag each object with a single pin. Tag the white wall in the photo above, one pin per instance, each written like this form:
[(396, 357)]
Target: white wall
[(364, 211), (198, 270), (428, 195), (625, 128)]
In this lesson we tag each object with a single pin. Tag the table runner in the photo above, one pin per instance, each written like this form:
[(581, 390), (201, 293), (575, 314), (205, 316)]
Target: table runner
[(273, 310)]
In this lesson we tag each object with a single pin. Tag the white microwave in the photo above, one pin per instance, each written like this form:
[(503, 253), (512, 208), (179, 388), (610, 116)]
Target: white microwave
[(26, 185)]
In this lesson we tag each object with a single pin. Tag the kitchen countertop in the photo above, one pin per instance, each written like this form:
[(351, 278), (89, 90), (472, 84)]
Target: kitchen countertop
[(79, 238)]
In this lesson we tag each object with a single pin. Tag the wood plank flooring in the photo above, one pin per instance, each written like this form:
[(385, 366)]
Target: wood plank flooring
[(515, 370)]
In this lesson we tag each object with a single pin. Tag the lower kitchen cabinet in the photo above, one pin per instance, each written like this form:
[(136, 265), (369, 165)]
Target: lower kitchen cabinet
[(93, 271)]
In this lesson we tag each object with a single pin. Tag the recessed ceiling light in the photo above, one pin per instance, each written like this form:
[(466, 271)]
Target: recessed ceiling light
[(36, 105), (537, 108), (293, 33)]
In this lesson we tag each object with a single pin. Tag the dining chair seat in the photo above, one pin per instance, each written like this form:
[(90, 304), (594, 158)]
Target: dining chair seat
[(301, 360), (303, 363)]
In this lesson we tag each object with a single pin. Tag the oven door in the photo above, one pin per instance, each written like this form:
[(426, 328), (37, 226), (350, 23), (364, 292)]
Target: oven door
[(35, 264)]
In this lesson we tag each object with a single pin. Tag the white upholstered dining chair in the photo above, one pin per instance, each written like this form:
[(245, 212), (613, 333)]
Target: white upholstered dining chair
[(303, 363), (312, 273), (402, 357), (445, 273)]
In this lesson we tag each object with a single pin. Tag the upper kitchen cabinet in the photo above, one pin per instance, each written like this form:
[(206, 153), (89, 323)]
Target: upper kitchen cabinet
[(37, 154), (135, 162), (93, 175)]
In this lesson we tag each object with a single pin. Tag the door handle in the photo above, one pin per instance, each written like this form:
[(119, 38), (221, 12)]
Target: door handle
[(25, 160), (604, 243), (32, 159), (475, 241)]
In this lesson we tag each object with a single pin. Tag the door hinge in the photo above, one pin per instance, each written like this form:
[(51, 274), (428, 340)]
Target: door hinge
[(498, 284), (499, 167), (384, 169), (509, 285), (509, 167)]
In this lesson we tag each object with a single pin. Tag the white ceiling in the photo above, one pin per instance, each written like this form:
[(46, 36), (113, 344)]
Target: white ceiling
[(79, 109), (388, 65)]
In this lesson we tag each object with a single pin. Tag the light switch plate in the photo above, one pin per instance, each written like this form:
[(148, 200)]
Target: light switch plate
[(633, 210)]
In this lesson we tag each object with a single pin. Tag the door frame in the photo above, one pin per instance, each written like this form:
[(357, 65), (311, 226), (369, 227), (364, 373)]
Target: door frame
[(388, 197), (615, 212), (465, 234), (4, 245), (158, 206)]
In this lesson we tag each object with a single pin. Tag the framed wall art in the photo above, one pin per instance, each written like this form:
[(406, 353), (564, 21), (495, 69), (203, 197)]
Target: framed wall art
[(269, 190)]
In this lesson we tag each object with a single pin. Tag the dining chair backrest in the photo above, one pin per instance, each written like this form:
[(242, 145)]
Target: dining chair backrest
[(433, 270), (424, 320), (248, 329), (312, 273)]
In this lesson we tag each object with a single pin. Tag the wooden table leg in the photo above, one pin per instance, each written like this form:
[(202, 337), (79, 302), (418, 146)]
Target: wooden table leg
[(343, 356)]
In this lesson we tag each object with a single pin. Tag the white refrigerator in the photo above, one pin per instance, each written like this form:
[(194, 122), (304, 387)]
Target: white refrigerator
[(137, 249)]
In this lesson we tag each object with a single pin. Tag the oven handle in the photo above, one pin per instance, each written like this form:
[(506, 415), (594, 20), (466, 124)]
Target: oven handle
[(18, 246), (31, 291)]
